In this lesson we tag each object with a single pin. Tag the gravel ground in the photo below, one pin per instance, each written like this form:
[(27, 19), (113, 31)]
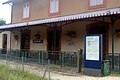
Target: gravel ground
[(55, 75)]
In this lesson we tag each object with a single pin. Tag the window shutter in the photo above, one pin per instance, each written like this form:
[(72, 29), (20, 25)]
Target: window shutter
[(54, 6), (26, 10), (51, 6)]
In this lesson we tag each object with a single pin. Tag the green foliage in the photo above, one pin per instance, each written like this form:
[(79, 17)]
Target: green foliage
[(113, 73), (2, 22), (9, 74)]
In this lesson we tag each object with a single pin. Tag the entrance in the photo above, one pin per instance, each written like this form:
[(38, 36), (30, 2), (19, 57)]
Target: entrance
[(4, 45), (100, 28), (54, 40), (25, 41), (54, 43)]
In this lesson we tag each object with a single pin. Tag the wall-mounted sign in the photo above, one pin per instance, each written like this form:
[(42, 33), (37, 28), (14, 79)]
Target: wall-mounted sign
[(37, 41), (37, 38)]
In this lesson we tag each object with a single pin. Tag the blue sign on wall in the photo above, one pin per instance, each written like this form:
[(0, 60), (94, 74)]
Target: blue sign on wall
[(93, 51)]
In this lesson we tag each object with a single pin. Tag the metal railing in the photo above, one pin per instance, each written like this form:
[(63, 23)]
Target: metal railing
[(61, 59), (116, 65)]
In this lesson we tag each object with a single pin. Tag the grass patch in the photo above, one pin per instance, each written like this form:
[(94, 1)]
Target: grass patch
[(9, 74), (115, 74)]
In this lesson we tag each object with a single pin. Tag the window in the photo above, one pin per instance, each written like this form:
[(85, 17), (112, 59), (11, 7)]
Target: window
[(26, 10), (54, 6), (96, 2)]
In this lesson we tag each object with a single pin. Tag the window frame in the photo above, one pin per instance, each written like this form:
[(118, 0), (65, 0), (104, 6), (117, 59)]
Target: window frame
[(97, 6), (54, 13)]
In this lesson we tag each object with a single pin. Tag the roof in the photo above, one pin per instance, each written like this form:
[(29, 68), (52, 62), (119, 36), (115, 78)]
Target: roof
[(65, 18), (9, 1)]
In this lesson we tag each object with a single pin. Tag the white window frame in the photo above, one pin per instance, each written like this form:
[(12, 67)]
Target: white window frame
[(54, 6), (26, 10), (96, 2)]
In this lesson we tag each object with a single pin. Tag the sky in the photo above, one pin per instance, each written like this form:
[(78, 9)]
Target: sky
[(5, 11)]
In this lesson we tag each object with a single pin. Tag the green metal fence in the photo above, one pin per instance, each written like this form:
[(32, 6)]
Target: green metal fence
[(59, 58), (116, 65)]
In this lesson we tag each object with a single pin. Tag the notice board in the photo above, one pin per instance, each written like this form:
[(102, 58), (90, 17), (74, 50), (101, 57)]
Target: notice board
[(93, 51)]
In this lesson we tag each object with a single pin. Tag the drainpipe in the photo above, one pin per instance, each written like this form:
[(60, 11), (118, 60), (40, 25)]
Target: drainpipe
[(11, 12), (11, 4), (113, 37), (55, 31)]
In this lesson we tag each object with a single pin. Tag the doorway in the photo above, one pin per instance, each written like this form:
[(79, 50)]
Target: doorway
[(4, 45), (100, 28), (54, 43), (25, 42), (54, 40)]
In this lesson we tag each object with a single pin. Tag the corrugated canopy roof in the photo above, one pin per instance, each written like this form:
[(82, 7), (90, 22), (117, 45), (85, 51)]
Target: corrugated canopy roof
[(12, 1), (9, 1), (65, 18)]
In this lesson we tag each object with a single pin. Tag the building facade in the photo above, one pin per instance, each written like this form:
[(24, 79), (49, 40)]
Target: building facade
[(60, 25)]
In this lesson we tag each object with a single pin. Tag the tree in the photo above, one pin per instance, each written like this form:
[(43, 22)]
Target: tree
[(2, 22)]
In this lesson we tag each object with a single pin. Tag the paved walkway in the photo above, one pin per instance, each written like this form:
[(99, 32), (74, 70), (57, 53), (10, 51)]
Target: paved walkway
[(55, 75)]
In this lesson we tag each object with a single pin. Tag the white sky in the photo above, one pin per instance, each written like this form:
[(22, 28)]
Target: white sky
[(5, 11)]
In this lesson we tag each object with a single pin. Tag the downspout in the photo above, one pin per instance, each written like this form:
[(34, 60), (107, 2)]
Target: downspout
[(11, 12), (11, 23), (55, 34), (113, 39)]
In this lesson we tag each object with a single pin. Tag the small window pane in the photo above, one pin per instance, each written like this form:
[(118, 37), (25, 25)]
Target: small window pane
[(99, 2), (96, 2), (93, 2)]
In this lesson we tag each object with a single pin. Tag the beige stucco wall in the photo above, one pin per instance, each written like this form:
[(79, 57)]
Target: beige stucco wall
[(80, 29), (43, 34), (67, 43), (8, 39), (15, 43), (39, 9), (73, 44), (117, 38)]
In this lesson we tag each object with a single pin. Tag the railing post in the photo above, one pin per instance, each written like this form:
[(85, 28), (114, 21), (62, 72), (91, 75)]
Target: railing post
[(49, 68), (63, 59), (79, 60), (42, 57), (22, 63), (119, 62), (6, 58), (39, 57)]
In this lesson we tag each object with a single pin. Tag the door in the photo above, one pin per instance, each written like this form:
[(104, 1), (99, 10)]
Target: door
[(100, 29), (4, 45), (25, 41), (54, 40), (54, 43)]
